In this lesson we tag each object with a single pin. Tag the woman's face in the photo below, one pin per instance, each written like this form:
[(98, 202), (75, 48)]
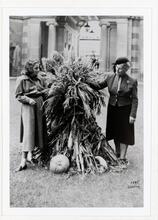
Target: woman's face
[(35, 70), (122, 68)]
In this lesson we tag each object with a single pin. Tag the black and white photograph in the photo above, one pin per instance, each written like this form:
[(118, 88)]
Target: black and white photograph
[(76, 111), (78, 138)]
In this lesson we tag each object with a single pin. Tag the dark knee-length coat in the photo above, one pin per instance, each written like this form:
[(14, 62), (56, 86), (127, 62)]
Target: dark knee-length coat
[(123, 103)]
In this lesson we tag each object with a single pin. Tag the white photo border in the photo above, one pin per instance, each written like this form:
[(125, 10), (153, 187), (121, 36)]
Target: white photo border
[(148, 109)]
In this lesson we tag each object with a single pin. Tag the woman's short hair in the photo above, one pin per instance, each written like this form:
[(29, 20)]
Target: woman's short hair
[(29, 66)]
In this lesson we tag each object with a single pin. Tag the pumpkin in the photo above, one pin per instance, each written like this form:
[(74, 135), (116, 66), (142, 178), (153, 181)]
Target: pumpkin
[(102, 162), (59, 164)]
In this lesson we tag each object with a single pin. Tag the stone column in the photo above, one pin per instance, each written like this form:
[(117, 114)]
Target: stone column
[(129, 37), (34, 33), (108, 48), (103, 44), (51, 37), (129, 51), (135, 47), (122, 37), (141, 49), (78, 44), (25, 42)]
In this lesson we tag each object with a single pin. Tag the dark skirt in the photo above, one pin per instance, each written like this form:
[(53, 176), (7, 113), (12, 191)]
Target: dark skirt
[(118, 126)]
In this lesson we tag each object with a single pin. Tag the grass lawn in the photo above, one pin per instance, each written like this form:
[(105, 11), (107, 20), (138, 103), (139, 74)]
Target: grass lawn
[(37, 187)]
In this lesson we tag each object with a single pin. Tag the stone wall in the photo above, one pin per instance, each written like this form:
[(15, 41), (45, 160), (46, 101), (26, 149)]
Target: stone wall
[(16, 32)]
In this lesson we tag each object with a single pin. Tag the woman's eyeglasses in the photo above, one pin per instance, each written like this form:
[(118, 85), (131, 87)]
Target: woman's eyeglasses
[(124, 65)]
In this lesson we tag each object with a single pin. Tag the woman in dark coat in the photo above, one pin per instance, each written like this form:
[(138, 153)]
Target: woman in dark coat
[(122, 107), (30, 90)]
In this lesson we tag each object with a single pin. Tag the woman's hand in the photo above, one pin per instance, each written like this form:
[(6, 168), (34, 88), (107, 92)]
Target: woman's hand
[(131, 120), (45, 93), (32, 102)]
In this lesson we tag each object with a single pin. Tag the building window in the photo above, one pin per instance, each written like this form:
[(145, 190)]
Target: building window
[(135, 47), (135, 36), (134, 59)]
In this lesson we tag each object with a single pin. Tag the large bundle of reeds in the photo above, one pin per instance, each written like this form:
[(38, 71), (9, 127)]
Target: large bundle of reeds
[(70, 108)]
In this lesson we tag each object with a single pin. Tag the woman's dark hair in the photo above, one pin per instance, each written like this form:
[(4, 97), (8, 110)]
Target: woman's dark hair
[(29, 66)]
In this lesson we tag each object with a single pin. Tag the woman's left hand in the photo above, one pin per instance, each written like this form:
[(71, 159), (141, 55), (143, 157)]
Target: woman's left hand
[(131, 120), (45, 92)]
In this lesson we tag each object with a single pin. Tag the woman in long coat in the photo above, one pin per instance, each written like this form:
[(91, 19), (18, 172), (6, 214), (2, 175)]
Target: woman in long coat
[(122, 107), (30, 90)]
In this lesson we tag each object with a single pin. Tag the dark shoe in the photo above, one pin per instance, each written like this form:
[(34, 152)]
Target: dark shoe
[(20, 168), (123, 163), (126, 161)]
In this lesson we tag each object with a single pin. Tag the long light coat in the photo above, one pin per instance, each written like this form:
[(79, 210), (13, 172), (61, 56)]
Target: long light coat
[(33, 124)]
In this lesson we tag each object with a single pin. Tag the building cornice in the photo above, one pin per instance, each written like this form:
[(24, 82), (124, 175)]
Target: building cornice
[(31, 17)]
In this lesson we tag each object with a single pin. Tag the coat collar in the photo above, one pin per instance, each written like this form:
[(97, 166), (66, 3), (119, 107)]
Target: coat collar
[(25, 77), (125, 76)]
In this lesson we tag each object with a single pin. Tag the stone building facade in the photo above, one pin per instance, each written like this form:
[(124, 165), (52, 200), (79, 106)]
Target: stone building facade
[(122, 36), (37, 36)]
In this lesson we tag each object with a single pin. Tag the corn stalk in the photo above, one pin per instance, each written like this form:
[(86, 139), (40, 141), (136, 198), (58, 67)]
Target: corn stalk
[(72, 128)]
